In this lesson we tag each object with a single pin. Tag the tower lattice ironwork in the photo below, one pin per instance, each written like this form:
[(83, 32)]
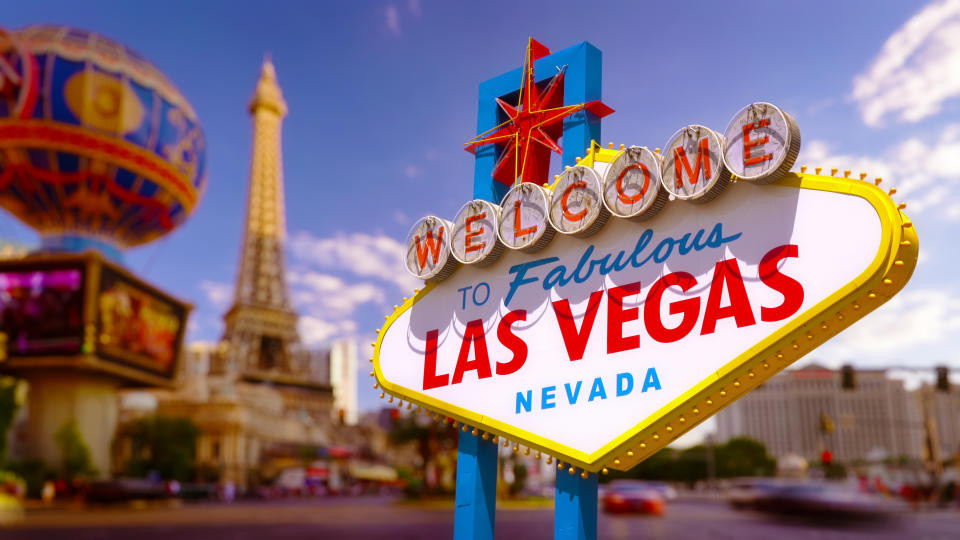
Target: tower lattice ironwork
[(260, 338)]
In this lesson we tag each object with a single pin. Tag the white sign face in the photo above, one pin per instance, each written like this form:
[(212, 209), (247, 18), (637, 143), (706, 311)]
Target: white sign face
[(692, 165), (581, 347), (762, 143), (576, 206), (523, 218), (631, 188), (428, 249), (475, 233)]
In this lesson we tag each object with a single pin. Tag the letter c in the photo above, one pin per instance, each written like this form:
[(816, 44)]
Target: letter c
[(579, 184)]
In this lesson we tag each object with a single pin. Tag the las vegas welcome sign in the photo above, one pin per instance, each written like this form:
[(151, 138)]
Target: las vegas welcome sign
[(598, 318)]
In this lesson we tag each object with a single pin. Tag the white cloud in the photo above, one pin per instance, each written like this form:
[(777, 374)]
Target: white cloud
[(926, 172), (392, 19), (910, 320), (315, 330), (820, 106), (218, 293), (331, 295), (204, 324), (953, 212), (334, 278), (365, 255), (917, 69)]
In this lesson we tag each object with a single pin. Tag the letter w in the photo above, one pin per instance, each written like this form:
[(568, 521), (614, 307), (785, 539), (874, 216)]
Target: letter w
[(573, 339), (681, 163), (431, 245)]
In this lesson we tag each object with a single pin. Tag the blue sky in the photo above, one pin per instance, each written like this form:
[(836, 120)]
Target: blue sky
[(382, 95)]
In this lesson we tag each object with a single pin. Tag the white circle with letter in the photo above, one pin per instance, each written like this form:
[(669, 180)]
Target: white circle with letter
[(576, 206), (523, 218), (474, 239), (762, 143), (692, 167), (631, 187), (428, 249)]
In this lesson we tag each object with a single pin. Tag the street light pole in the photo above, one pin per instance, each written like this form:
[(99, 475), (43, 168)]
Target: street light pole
[(711, 464)]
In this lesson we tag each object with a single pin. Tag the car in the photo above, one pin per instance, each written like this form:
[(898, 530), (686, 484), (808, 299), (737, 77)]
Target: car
[(668, 492), (126, 489), (633, 496), (744, 493), (825, 500), (807, 498)]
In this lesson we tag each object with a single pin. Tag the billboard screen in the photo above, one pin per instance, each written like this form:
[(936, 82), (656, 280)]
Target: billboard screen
[(41, 311), (137, 326)]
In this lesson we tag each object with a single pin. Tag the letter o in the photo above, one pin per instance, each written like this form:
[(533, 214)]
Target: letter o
[(487, 294), (632, 185)]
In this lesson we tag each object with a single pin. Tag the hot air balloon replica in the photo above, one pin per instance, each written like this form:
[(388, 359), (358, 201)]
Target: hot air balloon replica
[(98, 152)]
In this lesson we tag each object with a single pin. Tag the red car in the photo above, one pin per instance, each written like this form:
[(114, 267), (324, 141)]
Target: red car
[(630, 496)]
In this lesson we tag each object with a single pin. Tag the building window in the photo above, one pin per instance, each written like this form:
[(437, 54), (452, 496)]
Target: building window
[(271, 351)]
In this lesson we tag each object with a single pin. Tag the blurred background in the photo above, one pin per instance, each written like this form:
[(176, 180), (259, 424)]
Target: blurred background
[(203, 214)]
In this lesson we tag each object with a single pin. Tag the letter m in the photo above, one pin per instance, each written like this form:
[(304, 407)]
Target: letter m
[(432, 246), (681, 163)]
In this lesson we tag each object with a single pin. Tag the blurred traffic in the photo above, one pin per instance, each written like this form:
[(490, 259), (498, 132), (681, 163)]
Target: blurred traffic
[(635, 496)]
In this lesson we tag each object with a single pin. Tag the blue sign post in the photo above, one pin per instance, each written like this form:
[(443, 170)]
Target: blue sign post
[(576, 502), (575, 511), (476, 488)]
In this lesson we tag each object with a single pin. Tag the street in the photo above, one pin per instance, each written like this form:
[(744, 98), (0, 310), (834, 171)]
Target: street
[(360, 518)]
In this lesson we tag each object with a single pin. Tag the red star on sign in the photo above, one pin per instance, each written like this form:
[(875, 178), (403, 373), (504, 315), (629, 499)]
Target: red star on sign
[(532, 126)]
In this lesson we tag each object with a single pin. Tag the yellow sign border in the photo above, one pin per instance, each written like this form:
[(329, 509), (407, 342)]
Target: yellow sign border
[(886, 275)]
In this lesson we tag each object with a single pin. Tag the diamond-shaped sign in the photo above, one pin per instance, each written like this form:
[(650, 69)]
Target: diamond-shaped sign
[(602, 349)]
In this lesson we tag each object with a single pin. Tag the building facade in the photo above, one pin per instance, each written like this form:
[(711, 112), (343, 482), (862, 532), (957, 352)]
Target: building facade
[(941, 410), (807, 411), (342, 361)]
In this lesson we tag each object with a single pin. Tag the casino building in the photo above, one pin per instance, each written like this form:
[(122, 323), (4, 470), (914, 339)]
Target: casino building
[(807, 411)]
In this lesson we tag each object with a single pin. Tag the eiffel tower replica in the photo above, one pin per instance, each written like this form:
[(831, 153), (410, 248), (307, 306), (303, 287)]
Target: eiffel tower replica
[(261, 342), (263, 396)]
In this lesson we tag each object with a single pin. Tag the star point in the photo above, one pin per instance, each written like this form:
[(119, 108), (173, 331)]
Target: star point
[(536, 118)]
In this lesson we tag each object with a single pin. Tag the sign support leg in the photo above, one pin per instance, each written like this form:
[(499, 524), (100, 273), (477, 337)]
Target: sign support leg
[(476, 498), (575, 511)]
